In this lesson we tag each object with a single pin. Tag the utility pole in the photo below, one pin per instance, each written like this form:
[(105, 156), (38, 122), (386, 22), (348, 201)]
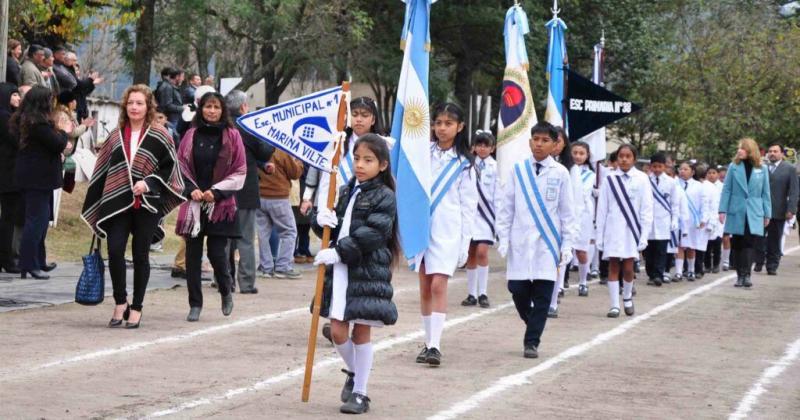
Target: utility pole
[(3, 38)]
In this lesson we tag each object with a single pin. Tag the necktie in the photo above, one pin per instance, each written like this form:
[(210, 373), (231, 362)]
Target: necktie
[(482, 165), (657, 180), (685, 184), (772, 167), (538, 168)]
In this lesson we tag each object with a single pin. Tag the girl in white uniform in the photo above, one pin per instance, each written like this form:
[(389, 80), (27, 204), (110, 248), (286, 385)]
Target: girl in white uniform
[(624, 220), (695, 217), (364, 253), (484, 225), (584, 241), (563, 155), (454, 200)]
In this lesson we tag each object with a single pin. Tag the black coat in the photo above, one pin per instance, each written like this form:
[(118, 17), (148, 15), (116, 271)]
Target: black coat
[(13, 71), (9, 144), (169, 100), (39, 161), (257, 151), (367, 253)]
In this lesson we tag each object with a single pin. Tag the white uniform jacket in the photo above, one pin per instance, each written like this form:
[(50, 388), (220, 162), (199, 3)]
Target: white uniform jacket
[(453, 218), (614, 235), (666, 207), (585, 218), (715, 195), (696, 212), (533, 244), (485, 216)]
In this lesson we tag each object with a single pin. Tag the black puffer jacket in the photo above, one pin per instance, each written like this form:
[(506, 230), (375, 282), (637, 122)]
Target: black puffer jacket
[(367, 253)]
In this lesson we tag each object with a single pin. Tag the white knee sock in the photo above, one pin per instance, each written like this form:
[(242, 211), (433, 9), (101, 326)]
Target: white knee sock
[(627, 289), (483, 279), (613, 292), (726, 256), (437, 326), (595, 258), (364, 355), (426, 323), (348, 354), (678, 266), (583, 273), (472, 282), (690, 265)]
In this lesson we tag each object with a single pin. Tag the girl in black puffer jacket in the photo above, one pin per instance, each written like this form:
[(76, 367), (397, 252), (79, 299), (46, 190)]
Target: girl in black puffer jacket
[(358, 287)]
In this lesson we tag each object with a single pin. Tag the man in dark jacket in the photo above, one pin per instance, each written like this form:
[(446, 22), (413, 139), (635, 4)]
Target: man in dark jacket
[(247, 198), (68, 79), (784, 191), (168, 94)]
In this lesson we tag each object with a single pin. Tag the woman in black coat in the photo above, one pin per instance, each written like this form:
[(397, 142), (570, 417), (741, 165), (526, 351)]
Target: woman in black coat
[(358, 285), (38, 172), (10, 214)]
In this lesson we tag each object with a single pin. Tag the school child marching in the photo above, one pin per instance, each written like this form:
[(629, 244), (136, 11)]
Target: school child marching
[(483, 235), (666, 211), (536, 232), (584, 240), (365, 251), (625, 205), (695, 217)]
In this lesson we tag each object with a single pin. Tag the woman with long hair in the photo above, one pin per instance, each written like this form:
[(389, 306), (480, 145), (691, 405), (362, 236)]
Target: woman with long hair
[(745, 207), (213, 165), (38, 172), (136, 181)]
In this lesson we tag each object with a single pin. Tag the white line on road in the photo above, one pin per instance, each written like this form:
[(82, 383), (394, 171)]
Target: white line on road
[(773, 371), (522, 378), (299, 371)]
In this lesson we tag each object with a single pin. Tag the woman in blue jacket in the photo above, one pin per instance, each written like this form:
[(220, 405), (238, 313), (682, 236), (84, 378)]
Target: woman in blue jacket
[(745, 206)]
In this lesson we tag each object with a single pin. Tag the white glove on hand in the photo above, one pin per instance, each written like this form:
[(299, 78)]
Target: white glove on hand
[(327, 217), (595, 192), (598, 245), (463, 256), (673, 226), (642, 246), (566, 257), (327, 256), (502, 249)]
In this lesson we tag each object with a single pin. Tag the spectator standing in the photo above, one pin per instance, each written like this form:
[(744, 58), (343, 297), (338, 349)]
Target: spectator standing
[(275, 212), (784, 193), (194, 82), (10, 202), (37, 173), (247, 198), (30, 70), (47, 71), (13, 75), (168, 95)]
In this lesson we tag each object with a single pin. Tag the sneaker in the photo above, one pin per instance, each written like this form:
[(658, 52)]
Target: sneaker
[(266, 274), (422, 357), (483, 301), (434, 357), (290, 274), (594, 274), (583, 290), (725, 267), (349, 383), (356, 404), (552, 312), (531, 352), (469, 301)]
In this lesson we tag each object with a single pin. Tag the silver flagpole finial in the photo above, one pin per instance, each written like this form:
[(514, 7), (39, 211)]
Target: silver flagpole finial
[(555, 9), (603, 38)]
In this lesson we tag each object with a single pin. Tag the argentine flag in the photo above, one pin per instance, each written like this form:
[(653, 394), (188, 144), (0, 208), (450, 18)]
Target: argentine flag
[(411, 160), (556, 71)]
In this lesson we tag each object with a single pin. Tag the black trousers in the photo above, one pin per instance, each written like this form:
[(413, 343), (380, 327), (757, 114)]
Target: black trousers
[(603, 267), (769, 248), (713, 254), (217, 252), (38, 212), (699, 258), (655, 258), (10, 218), (743, 248), (303, 241), (140, 225), (538, 292)]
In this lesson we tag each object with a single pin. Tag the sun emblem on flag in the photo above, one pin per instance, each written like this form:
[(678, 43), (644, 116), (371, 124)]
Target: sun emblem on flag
[(416, 119)]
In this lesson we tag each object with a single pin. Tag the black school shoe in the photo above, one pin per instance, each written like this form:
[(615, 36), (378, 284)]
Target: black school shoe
[(349, 383), (422, 357), (483, 301), (469, 301), (434, 357), (531, 352), (357, 404)]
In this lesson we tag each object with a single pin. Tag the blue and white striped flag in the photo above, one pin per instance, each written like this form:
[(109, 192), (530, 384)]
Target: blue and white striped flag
[(411, 160), (556, 71)]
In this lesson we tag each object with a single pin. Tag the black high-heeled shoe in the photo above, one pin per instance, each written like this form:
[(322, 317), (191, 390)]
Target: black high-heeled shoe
[(38, 275), (117, 323), (49, 267), (131, 325)]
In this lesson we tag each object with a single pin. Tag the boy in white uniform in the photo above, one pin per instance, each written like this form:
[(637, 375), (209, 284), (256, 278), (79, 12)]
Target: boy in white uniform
[(483, 233), (536, 229), (665, 220), (696, 215)]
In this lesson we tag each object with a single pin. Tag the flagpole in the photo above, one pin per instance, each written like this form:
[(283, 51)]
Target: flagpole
[(326, 238)]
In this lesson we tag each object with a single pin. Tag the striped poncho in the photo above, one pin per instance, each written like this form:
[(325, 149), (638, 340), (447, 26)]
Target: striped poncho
[(111, 187)]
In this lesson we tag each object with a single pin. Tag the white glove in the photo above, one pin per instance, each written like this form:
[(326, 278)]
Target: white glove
[(642, 246), (327, 257), (327, 217), (463, 256), (598, 245), (502, 248), (673, 226), (595, 192), (566, 257)]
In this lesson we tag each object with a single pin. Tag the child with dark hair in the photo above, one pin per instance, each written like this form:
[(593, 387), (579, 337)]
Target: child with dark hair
[(666, 210), (483, 145)]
